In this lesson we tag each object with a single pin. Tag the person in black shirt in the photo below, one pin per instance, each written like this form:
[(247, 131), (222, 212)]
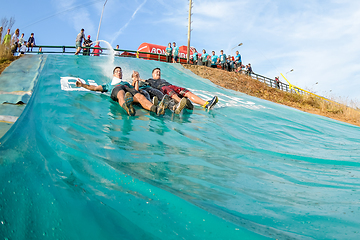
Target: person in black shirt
[(179, 94), (31, 42), (87, 43)]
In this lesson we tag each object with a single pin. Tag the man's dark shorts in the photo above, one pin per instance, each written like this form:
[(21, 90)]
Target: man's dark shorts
[(116, 90)]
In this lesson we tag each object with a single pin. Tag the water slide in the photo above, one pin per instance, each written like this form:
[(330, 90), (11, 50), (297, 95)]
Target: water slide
[(75, 166)]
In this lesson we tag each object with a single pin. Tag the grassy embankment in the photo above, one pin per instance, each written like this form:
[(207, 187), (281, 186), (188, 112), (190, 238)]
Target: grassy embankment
[(307, 103), (6, 57)]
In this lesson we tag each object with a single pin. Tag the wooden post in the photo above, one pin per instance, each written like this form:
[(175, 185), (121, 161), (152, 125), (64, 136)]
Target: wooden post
[(189, 30)]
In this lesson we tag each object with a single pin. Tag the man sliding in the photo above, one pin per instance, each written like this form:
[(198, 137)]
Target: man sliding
[(125, 94), (175, 92)]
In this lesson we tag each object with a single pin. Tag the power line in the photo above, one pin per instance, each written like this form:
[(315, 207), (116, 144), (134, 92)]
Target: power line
[(67, 10)]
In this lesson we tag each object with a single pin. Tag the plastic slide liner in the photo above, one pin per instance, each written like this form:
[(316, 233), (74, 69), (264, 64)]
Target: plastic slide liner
[(75, 166)]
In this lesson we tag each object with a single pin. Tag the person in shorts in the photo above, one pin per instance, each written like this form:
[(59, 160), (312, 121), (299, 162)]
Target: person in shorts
[(183, 96), (175, 53), (125, 94), (78, 41)]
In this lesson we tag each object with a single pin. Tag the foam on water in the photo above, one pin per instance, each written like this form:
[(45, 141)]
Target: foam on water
[(75, 166)]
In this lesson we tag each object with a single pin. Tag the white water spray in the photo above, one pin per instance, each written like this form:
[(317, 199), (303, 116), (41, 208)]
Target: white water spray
[(108, 65)]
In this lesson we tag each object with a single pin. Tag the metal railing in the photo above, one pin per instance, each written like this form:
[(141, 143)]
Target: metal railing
[(159, 57), (272, 83)]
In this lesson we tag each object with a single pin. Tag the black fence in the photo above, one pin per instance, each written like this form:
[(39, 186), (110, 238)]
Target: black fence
[(157, 57)]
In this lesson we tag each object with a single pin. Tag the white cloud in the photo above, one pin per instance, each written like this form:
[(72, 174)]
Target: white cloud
[(116, 35), (75, 14)]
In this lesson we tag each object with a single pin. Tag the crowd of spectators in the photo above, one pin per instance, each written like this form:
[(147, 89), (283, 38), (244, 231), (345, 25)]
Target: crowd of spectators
[(16, 42), (85, 46), (228, 63)]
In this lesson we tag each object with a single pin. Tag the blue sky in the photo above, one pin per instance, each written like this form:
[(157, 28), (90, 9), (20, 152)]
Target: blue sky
[(318, 39)]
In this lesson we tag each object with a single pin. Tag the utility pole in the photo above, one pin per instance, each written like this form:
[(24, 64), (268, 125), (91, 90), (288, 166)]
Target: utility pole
[(97, 36), (189, 30)]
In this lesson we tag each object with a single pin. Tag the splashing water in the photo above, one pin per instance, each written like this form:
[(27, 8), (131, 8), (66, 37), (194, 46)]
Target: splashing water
[(108, 65)]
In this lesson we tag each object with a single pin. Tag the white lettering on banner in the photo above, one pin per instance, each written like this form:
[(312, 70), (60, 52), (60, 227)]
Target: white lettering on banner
[(183, 55), (158, 51)]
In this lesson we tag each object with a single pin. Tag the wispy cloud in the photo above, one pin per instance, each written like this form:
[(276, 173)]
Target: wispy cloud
[(78, 17), (116, 35)]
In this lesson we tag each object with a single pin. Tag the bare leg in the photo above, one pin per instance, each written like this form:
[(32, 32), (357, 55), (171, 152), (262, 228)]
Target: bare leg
[(78, 50), (176, 97), (194, 98), (146, 104), (120, 96)]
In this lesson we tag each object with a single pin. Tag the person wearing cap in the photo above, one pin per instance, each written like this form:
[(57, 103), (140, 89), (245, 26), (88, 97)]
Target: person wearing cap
[(78, 41), (87, 43), (31, 42)]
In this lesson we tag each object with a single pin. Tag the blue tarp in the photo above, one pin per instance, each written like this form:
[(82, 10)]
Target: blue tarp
[(75, 166)]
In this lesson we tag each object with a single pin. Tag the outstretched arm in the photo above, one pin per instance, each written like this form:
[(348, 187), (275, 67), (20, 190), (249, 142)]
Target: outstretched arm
[(89, 87)]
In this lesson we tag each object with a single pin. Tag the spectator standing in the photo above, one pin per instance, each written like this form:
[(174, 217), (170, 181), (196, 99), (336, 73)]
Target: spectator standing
[(78, 41), (277, 82), (175, 53), (168, 53), (97, 49), (7, 38), (87, 43), (249, 69), (195, 58), (204, 58), (117, 53), (15, 41), (238, 59), (40, 51), (222, 59), (229, 63), (31, 42), (214, 60)]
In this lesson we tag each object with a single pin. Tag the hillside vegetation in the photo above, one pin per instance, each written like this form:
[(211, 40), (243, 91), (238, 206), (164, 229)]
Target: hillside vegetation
[(6, 57), (252, 87)]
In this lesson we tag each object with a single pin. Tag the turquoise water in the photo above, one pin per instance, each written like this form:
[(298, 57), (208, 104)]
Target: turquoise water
[(75, 166)]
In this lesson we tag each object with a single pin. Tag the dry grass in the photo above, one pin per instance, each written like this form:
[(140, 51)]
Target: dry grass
[(307, 103), (6, 57)]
